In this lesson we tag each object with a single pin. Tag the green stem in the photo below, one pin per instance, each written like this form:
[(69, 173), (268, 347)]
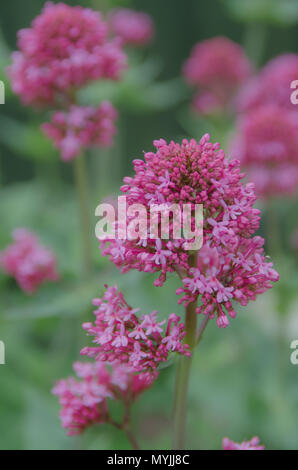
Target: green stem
[(201, 328), (255, 42), (183, 372), (273, 238), (80, 173), (132, 439)]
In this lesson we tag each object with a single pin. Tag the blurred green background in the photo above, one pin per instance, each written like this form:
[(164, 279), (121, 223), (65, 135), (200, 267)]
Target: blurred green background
[(242, 382)]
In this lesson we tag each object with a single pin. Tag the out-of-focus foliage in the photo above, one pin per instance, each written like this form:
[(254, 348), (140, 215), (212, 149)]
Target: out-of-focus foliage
[(140, 90), (277, 12)]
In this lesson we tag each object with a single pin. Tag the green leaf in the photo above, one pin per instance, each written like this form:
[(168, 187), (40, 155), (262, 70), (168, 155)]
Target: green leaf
[(26, 140)]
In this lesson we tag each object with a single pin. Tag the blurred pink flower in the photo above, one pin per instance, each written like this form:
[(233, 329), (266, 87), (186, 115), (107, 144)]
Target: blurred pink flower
[(207, 102), (29, 262), (132, 27), (85, 402), (253, 444), (216, 67), (267, 145), (231, 265), (120, 337), (271, 85), (82, 127), (65, 48)]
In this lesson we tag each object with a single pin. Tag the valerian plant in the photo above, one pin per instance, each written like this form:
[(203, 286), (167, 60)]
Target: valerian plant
[(230, 268), (66, 48)]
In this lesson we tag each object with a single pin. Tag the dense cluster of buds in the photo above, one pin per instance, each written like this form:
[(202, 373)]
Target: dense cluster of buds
[(29, 262), (121, 337), (85, 402), (81, 127), (231, 265), (216, 67)]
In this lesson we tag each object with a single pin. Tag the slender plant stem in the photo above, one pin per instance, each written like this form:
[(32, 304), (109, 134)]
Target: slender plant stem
[(126, 428), (132, 439), (183, 372), (273, 231), (115, 424), (80, 173), (202, 328)]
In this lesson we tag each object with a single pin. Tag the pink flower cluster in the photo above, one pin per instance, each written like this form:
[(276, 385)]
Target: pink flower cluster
[(216, 67), (82, 127), (267, 145), (132, 27), (271, 85), (231, 265), (253, 444), (224, 275), (266, 138), (29, 262), (84, 402), (123, 338), (65, 48)]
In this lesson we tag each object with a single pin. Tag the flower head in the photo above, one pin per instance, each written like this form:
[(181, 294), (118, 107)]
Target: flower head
[(253, 444), (267, 146), (271, 86), (231, 265), (216, 67), (82, 127), (29, 262), (121, 337), (84, 402), (65, 48), (132, 27)]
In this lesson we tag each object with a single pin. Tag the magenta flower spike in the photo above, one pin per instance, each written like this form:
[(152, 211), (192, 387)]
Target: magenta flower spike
[(227, 268), (231, 265)]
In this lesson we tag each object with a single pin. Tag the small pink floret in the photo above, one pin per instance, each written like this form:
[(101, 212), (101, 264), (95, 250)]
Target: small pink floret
[(122, 337)]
